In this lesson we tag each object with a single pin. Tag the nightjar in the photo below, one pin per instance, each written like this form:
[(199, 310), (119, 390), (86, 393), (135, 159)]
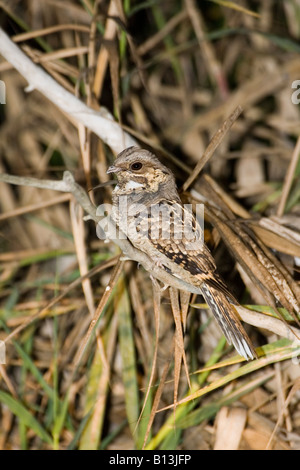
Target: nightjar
[(148, 210)]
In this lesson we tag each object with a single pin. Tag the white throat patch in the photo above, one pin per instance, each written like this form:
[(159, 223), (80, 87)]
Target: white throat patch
[(133, 185)]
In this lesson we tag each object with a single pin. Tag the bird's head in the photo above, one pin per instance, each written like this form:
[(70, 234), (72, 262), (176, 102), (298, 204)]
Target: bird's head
[(139, 170)]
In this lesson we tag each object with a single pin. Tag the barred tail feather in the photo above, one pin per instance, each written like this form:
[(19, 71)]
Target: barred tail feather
[(227, 319)]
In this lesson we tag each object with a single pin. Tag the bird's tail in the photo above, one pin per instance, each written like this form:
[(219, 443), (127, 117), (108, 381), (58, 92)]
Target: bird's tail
[(226, 316)]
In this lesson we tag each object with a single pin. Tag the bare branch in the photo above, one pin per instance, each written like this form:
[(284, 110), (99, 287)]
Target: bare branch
[(100, 122)]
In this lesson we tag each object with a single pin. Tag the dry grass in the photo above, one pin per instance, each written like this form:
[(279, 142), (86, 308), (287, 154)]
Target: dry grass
[(171, 73)]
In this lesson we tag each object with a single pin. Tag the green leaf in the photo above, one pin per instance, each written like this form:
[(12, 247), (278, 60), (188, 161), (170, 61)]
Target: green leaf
[(129, 369), (25, 417), (35, 371)]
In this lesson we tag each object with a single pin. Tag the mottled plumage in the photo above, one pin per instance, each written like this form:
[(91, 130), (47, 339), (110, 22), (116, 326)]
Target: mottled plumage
[(148, 209)]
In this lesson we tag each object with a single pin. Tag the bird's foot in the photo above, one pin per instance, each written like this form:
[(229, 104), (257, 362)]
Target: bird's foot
[(156, 283)]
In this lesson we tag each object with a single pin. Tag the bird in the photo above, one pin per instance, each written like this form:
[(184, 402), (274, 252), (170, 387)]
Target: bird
[(147, 208)]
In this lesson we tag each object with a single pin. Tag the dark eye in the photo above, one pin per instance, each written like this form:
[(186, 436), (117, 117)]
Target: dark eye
[(136, 166)]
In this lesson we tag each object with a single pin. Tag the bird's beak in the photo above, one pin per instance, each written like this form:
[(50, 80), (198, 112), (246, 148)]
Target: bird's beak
[(113, 169)]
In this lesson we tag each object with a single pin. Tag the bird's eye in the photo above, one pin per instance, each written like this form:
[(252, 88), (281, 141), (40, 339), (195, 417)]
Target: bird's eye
[(136, 166)]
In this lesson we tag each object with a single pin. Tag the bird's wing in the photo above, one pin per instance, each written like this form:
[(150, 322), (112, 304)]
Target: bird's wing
[(165, 230), (174, 231)]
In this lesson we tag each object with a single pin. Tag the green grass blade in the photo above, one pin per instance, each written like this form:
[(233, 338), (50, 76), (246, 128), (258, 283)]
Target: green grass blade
[(129, 370), (275, 352), (35, 371), (168, 436), (25, 417), (91, 433)]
